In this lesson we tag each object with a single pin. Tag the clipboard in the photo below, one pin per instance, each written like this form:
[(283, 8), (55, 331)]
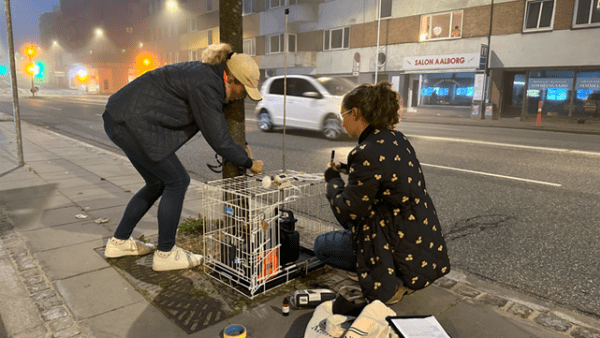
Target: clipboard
[(417, 327)]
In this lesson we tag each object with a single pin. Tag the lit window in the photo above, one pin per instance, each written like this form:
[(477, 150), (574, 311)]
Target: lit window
[(250, 46), (441, 26), (336, 38), (129, 29), (538, 15), (587, 13)]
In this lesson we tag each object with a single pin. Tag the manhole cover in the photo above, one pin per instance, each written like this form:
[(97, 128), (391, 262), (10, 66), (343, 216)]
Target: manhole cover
[(172, 293)]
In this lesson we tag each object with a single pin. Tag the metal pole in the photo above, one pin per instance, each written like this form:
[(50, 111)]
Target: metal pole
[(378, 30), (285, 51), (487, 64), (13, 77)]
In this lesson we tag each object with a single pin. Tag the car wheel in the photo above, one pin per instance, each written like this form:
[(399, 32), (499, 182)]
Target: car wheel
[(264, 121), (332, 129)]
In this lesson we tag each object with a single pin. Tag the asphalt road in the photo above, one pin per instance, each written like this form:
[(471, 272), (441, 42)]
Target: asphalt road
[(518, 207)]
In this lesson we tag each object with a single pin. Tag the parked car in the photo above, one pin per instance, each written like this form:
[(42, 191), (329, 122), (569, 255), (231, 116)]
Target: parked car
[(592, 104), (312, 103)]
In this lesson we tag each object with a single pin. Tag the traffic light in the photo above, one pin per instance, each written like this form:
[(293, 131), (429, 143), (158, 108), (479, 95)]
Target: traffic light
[(3, 70), (144, 62), (30, 68), (39, 70), (30, 51)]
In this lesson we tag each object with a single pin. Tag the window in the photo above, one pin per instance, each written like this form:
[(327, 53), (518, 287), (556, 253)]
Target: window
[(247, 7), (587, 13), (538, 15), (129, 29), (276, 43), (385, 9), (192, 25), (176, 56), (209, 5), (209, 37), (336, 38), (193, 55), (250, 46), (441, 26), (279, 3)]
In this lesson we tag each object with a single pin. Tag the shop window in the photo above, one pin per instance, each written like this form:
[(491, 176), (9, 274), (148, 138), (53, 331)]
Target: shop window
[(276, 43), (587, 99), (385, 11), (450, 89), (538, 15), (587, 13), (338, 38), (250, 46), (441, 26), (553, 88)]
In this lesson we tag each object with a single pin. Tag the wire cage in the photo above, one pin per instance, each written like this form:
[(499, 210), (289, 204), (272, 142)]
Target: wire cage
[(259, 230)]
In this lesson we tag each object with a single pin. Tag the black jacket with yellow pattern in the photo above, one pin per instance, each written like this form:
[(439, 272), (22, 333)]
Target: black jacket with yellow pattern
[(397, 237)]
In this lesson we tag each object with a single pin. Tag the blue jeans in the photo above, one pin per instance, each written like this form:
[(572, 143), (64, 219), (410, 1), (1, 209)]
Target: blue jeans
[(167, 178), (335, 249)]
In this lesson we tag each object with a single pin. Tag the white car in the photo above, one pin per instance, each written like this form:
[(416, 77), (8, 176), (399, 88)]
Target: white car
[(311, 103)]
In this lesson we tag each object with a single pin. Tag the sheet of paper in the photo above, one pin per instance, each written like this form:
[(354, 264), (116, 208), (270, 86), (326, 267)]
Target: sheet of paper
[(427, 327)]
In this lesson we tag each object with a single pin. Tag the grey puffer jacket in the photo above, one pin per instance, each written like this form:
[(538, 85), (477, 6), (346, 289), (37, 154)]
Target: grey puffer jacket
[(164, 108), (397, 237)]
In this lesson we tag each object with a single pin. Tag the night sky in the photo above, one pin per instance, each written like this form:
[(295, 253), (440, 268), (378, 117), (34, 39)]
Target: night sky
[(25, 20)]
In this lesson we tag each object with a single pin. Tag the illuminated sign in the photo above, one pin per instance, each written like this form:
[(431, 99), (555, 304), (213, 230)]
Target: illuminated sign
[(450, 61)]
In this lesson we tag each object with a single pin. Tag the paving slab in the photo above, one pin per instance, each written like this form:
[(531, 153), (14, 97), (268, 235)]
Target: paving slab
[(94, 205), (472, 319), (97, 292), (73, 260), (64, 235), (142, 320), (32, 218)]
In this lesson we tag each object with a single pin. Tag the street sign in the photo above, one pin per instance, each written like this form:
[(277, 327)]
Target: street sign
[(483, 55), (356, 64)]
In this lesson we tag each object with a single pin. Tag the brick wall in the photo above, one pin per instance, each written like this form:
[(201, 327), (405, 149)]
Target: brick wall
[(476, 21), (563, 14), (508, 18)]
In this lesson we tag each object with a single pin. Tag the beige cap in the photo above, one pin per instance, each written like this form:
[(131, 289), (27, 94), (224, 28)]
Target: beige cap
[(245, 70)]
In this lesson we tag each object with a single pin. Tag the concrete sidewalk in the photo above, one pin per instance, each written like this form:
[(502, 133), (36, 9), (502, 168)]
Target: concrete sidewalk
[(54, 284)]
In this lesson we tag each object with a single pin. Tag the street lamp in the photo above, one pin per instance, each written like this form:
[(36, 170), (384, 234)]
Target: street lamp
[(99, 32), (171, 5)]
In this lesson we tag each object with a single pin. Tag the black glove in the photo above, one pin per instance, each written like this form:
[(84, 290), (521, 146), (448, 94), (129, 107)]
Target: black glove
[(330, 174)]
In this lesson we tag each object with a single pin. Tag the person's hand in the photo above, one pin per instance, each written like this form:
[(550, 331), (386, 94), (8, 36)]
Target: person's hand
[(257, 167), (340, 167)]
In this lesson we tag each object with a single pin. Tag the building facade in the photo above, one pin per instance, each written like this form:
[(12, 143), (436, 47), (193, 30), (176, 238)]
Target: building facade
[(442, 56)]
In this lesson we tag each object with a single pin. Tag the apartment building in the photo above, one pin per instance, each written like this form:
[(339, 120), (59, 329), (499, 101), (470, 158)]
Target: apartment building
[(435, 53)]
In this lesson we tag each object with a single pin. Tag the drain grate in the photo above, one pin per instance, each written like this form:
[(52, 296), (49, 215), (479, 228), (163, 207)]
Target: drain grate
[(172, 293)]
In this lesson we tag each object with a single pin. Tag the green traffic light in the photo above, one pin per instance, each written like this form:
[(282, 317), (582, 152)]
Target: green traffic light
[(3, 70)]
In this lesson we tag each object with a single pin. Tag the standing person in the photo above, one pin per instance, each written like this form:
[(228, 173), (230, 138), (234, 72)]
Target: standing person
[(392, 237), (154, 115)]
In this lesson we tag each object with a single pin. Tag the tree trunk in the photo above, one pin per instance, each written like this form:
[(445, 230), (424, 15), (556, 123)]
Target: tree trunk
[(231, 27)]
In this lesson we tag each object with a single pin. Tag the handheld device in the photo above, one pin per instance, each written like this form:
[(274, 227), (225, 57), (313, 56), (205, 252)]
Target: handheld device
[(311, 297)]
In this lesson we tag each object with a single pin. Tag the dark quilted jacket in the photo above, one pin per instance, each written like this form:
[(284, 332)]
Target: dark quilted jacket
[(166, 107), (397, 236)]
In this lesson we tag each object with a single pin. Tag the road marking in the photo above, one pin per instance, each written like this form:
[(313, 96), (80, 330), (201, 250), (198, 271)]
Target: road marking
[(54, 108), (493, 175), (508, 145)]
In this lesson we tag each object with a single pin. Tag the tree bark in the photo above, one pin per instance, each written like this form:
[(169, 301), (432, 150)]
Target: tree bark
[(231, 28)]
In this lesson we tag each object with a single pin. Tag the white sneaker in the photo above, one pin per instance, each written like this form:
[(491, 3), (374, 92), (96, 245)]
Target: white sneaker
[(126, 247), (175, 259)]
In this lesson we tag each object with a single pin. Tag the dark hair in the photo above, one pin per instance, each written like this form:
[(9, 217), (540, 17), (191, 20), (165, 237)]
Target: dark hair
[(379, 104)]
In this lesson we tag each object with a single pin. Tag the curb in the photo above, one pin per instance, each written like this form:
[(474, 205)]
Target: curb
[(54, 318), (551, 319)]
